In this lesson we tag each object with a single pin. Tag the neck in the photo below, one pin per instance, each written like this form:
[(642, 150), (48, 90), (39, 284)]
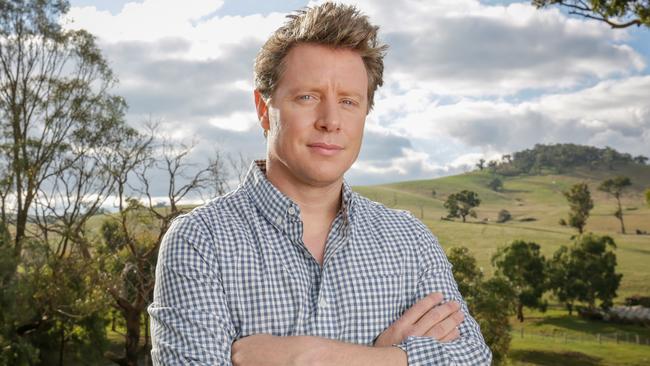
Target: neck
[(313, 200)]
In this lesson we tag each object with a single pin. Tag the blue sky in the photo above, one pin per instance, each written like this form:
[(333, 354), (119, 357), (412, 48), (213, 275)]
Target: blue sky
[(465, 79)]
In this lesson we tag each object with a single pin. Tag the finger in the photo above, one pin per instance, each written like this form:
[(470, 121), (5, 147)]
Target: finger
[(435, 316), (454, 334), (420, 308), (443, 328)]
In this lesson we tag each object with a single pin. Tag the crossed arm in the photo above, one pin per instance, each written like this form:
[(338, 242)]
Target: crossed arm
[(186, 329), (428, 318)]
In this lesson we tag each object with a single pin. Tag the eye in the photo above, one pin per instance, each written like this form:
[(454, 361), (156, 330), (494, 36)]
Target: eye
[(305, 97), (350, 102)]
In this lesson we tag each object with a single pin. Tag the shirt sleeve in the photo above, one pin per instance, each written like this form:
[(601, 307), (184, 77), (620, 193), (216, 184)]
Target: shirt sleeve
[(436, 276), (190, 319)]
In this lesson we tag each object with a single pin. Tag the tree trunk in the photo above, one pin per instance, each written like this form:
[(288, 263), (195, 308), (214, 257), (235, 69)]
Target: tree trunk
[(622, 225), (62, 345), (620, 215), (520, 312), (133, 317)]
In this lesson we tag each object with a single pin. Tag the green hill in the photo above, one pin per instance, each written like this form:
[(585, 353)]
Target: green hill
[(536, 204)]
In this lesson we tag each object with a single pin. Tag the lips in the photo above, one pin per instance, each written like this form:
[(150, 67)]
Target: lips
[(324, 149), (323, 145)]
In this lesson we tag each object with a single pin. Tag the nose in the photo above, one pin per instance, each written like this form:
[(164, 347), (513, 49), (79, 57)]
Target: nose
[(329, 118)]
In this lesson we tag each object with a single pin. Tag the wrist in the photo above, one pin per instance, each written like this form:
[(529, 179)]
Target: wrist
[(309, 350)]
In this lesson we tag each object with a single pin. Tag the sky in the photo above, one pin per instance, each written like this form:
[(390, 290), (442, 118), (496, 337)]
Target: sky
[(463, 80)]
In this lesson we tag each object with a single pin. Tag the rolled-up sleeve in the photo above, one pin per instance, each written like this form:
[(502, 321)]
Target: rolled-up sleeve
[(436, 276), (190, 318)]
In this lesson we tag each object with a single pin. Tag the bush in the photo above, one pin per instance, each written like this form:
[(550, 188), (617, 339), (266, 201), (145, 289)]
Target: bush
[(504, 215)]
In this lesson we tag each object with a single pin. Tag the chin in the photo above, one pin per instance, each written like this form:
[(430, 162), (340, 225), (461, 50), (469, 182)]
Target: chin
[(326, 173)]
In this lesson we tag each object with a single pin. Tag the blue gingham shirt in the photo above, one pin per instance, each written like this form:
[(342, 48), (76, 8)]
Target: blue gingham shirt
[(237, 266)]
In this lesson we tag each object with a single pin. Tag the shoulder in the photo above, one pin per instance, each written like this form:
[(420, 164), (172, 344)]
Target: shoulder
[(402, 228), (380, 217), (216, 222)]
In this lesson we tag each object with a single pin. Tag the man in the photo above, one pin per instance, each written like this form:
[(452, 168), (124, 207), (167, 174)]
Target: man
[(293, 268)]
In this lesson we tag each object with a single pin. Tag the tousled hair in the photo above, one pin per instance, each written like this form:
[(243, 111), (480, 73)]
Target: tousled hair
[(333, 25)]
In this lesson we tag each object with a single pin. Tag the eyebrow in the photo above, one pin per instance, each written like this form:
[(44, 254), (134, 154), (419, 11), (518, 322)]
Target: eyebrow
[(318, 90)]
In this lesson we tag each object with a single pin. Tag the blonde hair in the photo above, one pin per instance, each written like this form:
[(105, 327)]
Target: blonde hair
[(329, 24)]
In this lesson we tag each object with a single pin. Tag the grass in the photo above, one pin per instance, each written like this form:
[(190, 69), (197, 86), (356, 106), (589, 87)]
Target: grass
[(540, 199), (555, 338), (537, 204)]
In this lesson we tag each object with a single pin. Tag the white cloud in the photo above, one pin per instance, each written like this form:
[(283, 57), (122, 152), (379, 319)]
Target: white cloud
[(458, 78), (613, 112)]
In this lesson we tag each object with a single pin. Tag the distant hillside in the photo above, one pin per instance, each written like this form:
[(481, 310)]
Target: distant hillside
[(536, 203), (561, 158)]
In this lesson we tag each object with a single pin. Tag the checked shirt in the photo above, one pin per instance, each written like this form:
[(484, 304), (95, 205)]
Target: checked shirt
[(237, 266)]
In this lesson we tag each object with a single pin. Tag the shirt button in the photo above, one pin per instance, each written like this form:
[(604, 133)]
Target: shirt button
[(278, 220), (292, 211), (322, 302)]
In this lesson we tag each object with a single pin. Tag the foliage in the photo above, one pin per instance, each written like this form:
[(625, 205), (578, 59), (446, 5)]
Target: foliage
[(580, 204), (585, 272), (490, 302), (462, 204), (615, 13), (504, 215), (58, 124), (560, 158), (481, 164), (495, 184), (615, 187), (524, 268)]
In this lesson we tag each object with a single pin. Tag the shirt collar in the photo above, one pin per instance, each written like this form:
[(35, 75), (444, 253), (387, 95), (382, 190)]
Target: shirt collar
[(276, 207)]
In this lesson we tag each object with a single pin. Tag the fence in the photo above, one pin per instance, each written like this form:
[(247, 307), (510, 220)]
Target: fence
[(564, 337)]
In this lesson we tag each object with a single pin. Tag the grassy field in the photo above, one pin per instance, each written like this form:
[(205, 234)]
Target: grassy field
[(537, 204), (555, 338)]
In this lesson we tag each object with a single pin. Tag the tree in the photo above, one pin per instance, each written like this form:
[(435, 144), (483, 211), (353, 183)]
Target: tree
[(580, 203), (492, 165), (462, 204), (640, 159), (481, 164), (53, 87), (57, 127), (490, 302), (504, 215), (133, 235), (616, 13), (495, 184), (523, 266), (585, 272), (615, 187)]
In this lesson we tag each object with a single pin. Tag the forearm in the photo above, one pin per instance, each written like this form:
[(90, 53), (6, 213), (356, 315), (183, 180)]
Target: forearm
[(272, 350), (332, 352)]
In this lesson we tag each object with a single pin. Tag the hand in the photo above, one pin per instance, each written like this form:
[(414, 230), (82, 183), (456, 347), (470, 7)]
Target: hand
[(429, 318), (269, 350)]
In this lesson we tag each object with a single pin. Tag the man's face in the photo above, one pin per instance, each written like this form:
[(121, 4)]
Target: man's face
[(316, 114)]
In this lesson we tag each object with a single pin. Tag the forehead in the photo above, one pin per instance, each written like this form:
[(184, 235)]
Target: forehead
[(311, 65)]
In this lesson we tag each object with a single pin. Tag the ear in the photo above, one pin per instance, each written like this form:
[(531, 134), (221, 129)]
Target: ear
[(262, 110)]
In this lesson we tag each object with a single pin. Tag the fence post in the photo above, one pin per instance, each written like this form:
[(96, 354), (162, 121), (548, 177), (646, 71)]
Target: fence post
[(616, 337), (637, 339), (599, 339)]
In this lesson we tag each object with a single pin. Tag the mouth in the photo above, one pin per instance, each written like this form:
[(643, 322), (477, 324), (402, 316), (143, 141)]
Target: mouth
[(325, 149)]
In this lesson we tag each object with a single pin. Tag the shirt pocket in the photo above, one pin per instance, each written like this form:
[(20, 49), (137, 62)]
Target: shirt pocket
[(370, 303)]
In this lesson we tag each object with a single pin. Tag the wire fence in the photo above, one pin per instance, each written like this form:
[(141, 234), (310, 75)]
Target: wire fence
[(567, 337)]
